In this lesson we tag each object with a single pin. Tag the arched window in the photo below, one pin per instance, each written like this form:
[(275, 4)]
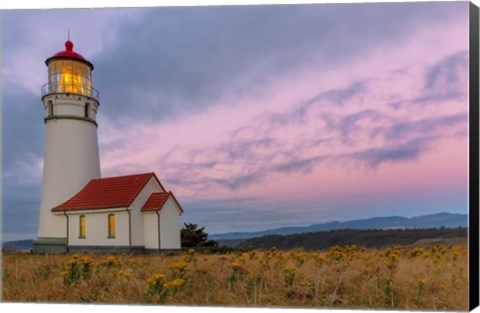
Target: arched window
[(111, 225), (82, 227)]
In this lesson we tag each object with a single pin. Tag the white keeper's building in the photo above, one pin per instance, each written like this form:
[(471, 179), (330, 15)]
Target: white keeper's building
[(79, 210)]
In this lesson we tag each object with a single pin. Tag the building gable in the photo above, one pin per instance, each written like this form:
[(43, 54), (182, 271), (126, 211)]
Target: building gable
[(157, 200)]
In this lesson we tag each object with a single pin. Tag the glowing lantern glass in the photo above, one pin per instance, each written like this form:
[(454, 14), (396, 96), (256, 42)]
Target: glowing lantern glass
[(69, 76), (69, 72)]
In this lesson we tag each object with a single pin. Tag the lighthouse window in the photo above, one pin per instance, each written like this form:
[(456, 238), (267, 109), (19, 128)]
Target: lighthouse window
[(111, 225), (87, 108), (49, 108), (82, 227)]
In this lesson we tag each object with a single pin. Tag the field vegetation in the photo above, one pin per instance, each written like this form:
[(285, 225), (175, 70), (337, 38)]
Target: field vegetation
[(433, 278)]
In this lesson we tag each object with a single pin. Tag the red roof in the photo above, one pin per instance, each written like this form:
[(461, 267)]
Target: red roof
[(69, 53), (156, 201), (103, 193)]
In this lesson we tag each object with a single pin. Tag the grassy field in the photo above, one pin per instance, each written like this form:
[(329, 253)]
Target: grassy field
[(431, 278)]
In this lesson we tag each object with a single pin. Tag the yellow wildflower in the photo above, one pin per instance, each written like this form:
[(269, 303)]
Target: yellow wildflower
[(123, 274), (179, 266), (113, 261), (87, 260), (289, 274), (156, 277), (289, 269), (177, 282), (236, 265)]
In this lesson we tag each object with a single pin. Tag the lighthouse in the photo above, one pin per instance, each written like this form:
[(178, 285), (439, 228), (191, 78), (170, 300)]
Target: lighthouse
[(71, 157)]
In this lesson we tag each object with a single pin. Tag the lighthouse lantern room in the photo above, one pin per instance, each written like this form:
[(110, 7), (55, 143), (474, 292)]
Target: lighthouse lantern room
[(69, 72)]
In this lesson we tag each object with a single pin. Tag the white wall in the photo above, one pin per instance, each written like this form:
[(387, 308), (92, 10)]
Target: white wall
[(96, 225), (137, 217), (170, 225), (150, 229), (72, 106)]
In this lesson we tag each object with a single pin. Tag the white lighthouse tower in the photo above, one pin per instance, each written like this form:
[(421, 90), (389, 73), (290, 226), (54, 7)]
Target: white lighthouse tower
[(71, 145)]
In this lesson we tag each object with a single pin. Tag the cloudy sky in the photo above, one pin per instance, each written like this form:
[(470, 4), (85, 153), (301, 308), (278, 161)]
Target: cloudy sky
[(255, 116)]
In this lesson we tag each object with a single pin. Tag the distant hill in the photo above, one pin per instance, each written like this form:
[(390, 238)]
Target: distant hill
[(362, 238), (448, 220), (17, 246)]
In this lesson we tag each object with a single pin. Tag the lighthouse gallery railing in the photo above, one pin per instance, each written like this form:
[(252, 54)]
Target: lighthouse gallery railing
[(74, 89)]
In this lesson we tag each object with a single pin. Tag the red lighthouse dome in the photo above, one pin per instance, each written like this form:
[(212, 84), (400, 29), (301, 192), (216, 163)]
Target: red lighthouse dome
[(69, 54)]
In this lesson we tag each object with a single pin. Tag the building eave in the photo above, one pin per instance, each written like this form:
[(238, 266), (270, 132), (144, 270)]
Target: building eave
[(90, 211)]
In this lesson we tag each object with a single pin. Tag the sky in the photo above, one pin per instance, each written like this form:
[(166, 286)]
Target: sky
[(256, 117)]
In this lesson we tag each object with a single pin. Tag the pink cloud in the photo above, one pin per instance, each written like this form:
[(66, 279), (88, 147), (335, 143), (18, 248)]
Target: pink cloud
[(316, 132)]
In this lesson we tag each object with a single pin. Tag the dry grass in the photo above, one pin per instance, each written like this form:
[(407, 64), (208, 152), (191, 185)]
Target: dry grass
[(433, 278)]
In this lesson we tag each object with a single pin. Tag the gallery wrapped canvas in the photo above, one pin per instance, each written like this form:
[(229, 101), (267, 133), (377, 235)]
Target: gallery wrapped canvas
[(320, 156)]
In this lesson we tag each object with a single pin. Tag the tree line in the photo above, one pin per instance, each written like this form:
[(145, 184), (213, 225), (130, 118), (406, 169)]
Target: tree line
[(373, 238), (196, 237)]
